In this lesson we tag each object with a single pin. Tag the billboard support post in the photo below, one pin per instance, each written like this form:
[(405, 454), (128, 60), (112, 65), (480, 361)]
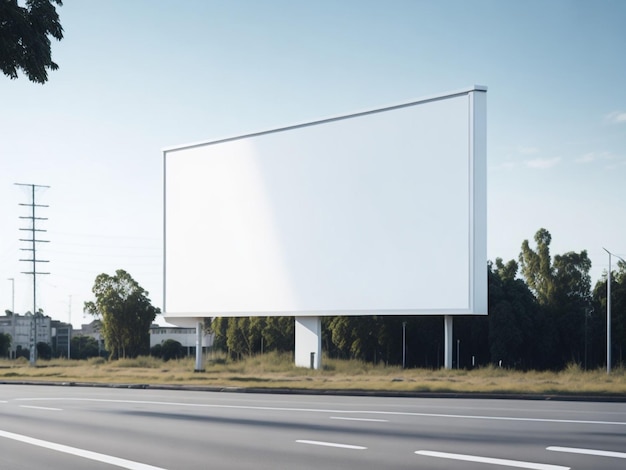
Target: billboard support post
[(199, 335), (447, 341), (308, 342)]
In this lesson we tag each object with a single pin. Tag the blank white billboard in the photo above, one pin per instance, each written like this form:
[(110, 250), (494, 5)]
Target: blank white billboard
[(381, 212)]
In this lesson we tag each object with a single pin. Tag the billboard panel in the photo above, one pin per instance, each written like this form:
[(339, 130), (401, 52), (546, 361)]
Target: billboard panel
[(381, 212)]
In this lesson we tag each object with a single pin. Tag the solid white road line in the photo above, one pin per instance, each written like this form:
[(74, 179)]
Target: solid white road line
[(492, 461), (108, 459), (361, 419), (335, 411), (40, 408), (601, 453), (331, 444)]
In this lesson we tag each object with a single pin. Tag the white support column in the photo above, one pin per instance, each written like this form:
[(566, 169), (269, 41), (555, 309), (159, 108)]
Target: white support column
[(447, 346), (309, 342), (199, 336)]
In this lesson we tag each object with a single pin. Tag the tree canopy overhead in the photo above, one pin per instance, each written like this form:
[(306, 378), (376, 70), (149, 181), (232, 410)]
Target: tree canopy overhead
[(25, 38), (126, 314)]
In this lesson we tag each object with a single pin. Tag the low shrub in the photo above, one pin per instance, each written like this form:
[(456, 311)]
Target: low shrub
[(144, 362)]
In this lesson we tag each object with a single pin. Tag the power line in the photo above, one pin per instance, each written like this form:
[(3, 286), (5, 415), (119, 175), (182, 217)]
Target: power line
[(32, 247)]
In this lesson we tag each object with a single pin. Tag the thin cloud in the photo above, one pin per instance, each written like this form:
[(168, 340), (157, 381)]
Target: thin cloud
[(617, 164), (608, 160), (527, 150), (506, 165), (592, 157), (542, 163), (616, 117)]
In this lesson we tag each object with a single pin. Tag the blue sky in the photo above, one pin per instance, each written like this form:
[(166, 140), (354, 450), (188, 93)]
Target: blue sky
[(138, 76)]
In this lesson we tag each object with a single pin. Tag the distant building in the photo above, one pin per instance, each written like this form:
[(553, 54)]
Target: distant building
[(21, 329), (93, 330), (185, 336), (61, 338)]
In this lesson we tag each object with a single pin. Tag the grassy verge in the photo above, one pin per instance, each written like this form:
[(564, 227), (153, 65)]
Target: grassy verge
[(277, 371)]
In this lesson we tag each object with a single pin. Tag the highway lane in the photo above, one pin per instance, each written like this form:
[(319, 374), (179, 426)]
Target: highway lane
[(108, 428)]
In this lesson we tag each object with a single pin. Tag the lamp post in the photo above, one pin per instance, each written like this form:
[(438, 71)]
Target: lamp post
[(588, 312), (12, 294), (403, 344), (69, 328), (608, 313)]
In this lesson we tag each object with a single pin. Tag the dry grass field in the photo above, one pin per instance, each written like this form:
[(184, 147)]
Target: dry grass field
[(274, 371)]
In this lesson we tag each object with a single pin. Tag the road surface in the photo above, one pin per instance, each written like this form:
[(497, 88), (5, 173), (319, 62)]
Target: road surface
[(55, 427)]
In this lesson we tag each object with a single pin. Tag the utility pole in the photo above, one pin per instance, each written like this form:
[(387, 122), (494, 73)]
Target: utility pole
[(403, 344), (32, 247), (12, 294), (608, 313), (69, 328)]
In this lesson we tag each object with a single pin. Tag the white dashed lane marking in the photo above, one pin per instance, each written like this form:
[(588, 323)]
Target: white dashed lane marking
[(331, 444), (600, 453), (45, 408), (372, 420), (491, 461)]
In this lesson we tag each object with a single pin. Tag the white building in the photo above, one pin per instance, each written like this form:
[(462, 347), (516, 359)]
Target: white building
[(185, 336), (20, 328)]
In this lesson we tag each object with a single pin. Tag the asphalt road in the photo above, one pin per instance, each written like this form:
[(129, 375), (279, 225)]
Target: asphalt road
[(105, 428)]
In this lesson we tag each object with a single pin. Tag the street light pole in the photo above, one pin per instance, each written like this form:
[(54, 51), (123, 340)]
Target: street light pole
[(403, 344), (12, 294), (608, 314), (69, 329), (608, 317)]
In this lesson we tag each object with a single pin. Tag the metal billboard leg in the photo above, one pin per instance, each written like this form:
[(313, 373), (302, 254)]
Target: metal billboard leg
[(447, 348)]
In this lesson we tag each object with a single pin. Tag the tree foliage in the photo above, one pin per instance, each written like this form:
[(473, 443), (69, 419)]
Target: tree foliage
[(168, 349), (542, 315), (536, 266), (25, 37), (563, 289), (125, 312), (597, 319), (246, 336), (513, 316), (5, 344), (84, 347), (44, 351)]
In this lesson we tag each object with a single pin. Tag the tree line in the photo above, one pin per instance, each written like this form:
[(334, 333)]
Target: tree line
[(543, 314)]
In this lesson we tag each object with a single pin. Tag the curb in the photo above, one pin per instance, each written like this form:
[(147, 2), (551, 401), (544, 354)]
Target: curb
[(337, 392)]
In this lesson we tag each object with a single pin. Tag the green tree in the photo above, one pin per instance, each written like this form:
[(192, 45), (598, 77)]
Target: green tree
[(25, 37), (536, 266), (172, 349), (279, 334), (219, 327), (563, 289), (341, 335), (597, 319), (5, 344), (44, 351), (243, 335), (357, 337), (251, 335), (513, 313), (126, 314), (22, 352), (572, 299), (83, 347)]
